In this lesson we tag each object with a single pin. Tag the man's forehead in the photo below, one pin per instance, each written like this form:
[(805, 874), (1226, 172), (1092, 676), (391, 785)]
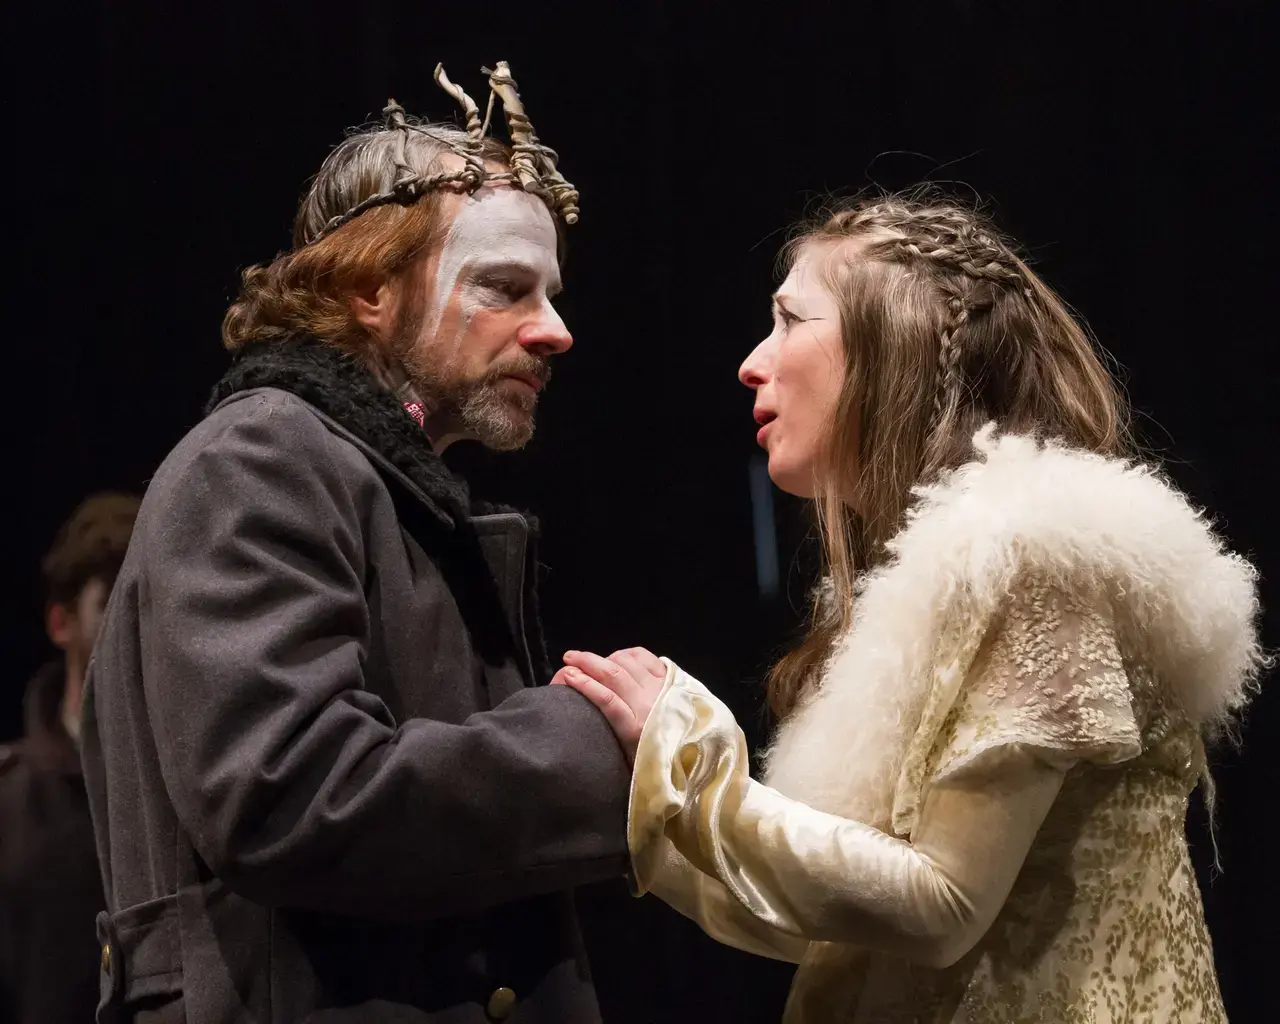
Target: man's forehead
[(504, 213)]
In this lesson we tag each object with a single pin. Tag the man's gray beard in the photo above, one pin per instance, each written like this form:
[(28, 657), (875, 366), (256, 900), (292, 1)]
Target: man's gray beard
[(476, 409), (472, 408), (502, 423)]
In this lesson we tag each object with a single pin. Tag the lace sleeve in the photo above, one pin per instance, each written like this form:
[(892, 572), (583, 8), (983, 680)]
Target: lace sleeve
[(1049, 677)]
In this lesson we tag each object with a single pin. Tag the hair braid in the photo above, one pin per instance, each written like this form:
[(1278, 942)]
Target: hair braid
[(948, 380), (976, 260), (968, 258), (942, 235)]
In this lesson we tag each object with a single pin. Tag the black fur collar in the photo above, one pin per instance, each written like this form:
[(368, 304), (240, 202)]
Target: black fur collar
[(343, 389)]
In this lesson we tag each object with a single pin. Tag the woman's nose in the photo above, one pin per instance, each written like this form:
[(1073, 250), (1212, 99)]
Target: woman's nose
[(752, 372)]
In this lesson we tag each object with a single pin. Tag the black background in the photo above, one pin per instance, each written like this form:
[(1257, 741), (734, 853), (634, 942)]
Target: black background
[(158, 148)]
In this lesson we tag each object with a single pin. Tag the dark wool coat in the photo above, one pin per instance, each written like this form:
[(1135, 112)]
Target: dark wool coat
[(326, 783), (50, 889)]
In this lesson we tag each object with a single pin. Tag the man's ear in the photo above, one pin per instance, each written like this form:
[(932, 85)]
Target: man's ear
[(373, 304), (60, 624)]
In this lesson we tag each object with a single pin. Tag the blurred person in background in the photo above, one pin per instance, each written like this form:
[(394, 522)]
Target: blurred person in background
[(50, 886)]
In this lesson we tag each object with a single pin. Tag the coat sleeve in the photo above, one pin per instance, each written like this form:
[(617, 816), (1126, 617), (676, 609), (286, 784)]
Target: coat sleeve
[(295, 783)]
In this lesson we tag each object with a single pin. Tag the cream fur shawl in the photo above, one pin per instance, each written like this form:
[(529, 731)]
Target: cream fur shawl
[(1070, 516)]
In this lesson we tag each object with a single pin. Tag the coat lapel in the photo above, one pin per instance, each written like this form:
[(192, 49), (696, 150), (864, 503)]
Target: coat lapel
[(469, 536)]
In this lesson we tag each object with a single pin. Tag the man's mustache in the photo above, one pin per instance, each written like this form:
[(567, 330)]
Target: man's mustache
[(531, 366)]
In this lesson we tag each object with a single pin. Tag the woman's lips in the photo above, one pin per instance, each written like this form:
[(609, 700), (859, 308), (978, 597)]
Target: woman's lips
[(765, 418)]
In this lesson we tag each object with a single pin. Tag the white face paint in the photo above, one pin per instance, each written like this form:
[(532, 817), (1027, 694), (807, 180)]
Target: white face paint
[(479, 354), (500, 237)]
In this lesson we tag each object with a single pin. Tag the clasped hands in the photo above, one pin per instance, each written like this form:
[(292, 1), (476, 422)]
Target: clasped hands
[(624, 686)]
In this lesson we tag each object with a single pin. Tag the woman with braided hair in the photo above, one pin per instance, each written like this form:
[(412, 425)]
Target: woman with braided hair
[(974, 807)]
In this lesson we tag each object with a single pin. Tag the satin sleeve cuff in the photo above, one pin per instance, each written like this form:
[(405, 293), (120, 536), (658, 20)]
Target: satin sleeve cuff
[(813, 875), (691, 788), (681, 722), (713, 908), (669, 764)]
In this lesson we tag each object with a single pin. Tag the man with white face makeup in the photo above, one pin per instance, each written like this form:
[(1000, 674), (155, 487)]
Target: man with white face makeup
[(326, 780), (477, 352)]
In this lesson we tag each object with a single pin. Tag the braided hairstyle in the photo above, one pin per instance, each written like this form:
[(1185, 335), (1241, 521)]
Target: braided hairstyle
[(945, 328), (955, 253)]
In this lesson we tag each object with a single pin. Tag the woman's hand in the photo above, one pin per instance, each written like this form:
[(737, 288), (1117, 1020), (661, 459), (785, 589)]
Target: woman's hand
[(623, 686)]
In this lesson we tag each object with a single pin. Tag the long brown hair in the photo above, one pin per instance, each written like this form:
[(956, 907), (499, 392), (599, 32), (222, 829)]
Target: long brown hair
[(944, 329), (306, 290)]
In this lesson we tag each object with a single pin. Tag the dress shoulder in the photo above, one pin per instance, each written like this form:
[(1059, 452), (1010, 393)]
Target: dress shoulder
[(1044, 673)]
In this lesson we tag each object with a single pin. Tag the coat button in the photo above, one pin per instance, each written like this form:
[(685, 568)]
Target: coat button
[(106, 959), (501, 1003)]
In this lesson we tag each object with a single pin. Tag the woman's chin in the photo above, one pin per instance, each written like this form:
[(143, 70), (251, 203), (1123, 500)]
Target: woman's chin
[(795, 480)]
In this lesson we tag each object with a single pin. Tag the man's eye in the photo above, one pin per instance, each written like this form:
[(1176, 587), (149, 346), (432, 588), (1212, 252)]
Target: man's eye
[(513, 290)]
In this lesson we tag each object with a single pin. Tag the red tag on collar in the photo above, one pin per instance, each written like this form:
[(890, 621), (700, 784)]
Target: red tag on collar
[(416, 410)]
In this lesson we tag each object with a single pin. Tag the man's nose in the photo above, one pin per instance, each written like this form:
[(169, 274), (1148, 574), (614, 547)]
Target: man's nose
[(545, 335)]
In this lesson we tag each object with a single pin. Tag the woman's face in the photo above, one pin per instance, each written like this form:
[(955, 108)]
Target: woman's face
[(796, 373)]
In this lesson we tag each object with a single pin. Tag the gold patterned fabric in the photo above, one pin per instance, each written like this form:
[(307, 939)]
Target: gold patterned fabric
[(1042, 875)]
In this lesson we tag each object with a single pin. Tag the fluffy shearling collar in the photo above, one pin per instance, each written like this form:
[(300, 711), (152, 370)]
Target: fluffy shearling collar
[(343, 389), (1021, 505)]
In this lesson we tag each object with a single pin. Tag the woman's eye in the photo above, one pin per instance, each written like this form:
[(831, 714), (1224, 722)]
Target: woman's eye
[(788, 318)]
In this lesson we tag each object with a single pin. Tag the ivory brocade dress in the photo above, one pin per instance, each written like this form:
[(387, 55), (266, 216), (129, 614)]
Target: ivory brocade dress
[(1034, 865)]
